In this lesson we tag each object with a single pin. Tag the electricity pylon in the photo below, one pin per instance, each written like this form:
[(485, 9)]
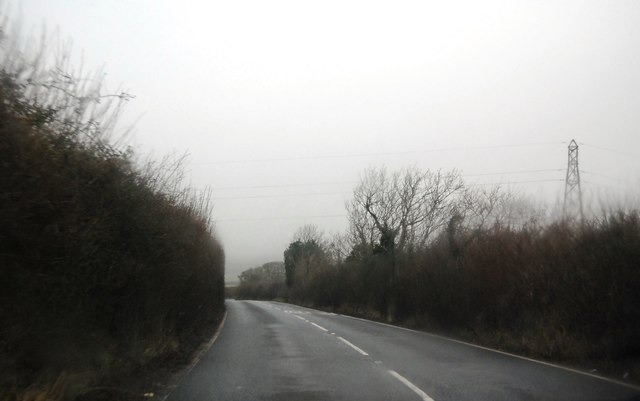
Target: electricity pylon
[(572, 190)]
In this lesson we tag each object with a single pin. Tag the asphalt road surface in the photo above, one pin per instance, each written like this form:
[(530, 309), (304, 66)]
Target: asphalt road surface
[(276, 351)]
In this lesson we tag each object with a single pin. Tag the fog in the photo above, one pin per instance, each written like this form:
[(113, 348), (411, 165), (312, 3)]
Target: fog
[(281, 105)]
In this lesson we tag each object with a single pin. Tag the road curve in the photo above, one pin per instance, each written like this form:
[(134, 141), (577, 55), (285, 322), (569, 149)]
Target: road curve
[(276, 351)]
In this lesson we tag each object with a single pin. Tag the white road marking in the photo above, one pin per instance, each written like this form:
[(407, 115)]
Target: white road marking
[(353, 346), (413, 387), (580, 372), (296, 312), (318, 326), (568, 369), (300, 317)]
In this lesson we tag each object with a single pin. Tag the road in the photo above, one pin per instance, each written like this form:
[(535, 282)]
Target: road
[(276, 351)]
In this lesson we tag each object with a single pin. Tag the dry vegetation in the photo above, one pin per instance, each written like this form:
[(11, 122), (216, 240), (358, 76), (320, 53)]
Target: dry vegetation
[(425, 250), (262, 282), (106, 269)]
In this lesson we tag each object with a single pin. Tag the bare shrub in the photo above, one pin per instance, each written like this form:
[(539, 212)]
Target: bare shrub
[(485, 264)]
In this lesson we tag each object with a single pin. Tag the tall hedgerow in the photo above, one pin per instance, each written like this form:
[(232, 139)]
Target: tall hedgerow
[(493, 272), (104, 270)]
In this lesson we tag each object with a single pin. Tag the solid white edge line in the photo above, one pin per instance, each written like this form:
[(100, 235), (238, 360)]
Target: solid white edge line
[(318, 326), (413, 387), (606, 379), (195, 361), (580, 372), (353, 346)]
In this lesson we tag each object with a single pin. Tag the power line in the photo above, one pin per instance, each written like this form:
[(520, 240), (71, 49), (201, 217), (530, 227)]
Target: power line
[(280, 195), (342, 156), (601, 175), (519, 182), (340, 215), (347, 193), (514, 172), (355, 182), (610, 150), (282, 185), (323, 216)]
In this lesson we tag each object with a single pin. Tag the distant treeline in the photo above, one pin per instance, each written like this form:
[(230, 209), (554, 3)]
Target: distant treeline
[(427, 250), (106, 267), (262, 282)]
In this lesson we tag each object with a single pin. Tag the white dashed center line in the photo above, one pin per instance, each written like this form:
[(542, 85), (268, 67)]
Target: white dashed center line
[(413, 387), (424, 396), (353, 346), (318, 326)]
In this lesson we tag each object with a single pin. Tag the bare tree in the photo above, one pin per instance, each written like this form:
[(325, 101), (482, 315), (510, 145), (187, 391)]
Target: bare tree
[(362, 230), (478, 207), (374, 208), (338, 247), (76, 100), (305, 253), (401, 210), (485, 208), (309, 233), (442, 191)]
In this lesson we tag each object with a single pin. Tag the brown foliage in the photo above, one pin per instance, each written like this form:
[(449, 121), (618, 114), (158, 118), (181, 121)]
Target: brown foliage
[(101, 271), (563, 290)]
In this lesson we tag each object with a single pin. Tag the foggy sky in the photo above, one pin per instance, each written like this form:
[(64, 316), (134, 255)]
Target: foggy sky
[(282, 104)]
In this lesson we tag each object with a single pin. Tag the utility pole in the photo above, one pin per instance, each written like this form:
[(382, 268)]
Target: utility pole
[(572, 190)]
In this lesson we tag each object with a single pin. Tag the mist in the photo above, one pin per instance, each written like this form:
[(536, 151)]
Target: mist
[(282, 106)]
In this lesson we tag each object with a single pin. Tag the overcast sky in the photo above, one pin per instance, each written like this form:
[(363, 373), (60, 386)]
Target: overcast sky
[(282, 104)]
